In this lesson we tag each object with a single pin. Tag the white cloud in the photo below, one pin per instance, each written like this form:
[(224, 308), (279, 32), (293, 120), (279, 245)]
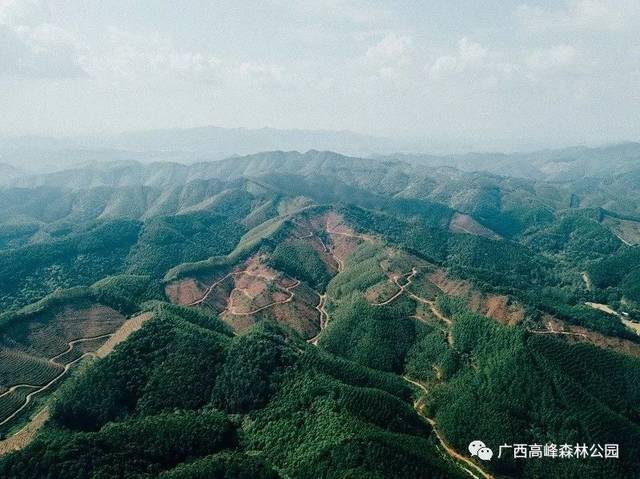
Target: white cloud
[(596, 15), (469, 55), (31, 48), (24, 12), (149, 58), (392, 50), (261, 75), (390, 58), (555, 57), (44, 51), (443, 66), (353, 11), (154, 59)]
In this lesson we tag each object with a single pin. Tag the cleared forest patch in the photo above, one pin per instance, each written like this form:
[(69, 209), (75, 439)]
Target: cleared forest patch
[(461, 223), (502, 308), (47, 334), (19, 367), (185, 291), (573, 333), (628, 231)]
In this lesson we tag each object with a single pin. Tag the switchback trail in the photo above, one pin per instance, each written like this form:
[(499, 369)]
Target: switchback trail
[(212, 287), (396, 280), (76, 341), (566, 333), (456, 456), (53, 361), (431, 304), (43, 388), (209, 289), (288, 289)]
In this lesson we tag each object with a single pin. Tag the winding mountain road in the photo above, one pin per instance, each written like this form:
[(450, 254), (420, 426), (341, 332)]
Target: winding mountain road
[(396, 280), (324, 318), (456, 456), (53, 361), (43, 388), (289, 289)]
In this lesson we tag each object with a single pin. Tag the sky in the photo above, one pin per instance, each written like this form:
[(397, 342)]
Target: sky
[(499, 72)]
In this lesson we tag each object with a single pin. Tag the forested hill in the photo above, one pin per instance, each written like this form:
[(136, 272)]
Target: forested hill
[(565, 164), (128, 173), (309, 314)]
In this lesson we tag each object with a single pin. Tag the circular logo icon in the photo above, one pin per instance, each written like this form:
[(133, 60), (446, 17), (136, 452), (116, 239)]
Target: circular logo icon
[(479, 449)]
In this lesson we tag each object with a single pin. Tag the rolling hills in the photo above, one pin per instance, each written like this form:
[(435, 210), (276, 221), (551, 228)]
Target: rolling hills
[(316, 315)]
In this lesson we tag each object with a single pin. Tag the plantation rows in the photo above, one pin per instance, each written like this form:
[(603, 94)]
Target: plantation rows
[(12, 401), (611, 377), (49, 333), (17, 367)]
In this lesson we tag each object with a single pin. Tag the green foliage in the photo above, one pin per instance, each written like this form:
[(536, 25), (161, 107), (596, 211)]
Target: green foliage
[(57, 298), (126, 292), (362, 270), (353, 373), (248, 244), (253, 368), (170, 240), (169, 363), (319, 427), (501, 265), (31, 272), (631, 286), (14, 235), (430, 357), (533, 389), (588, 317), (575, 237), (611, 270), (224, 465), (376, 337), (146, 411), (426, 240), (298, 259), (140, 447)]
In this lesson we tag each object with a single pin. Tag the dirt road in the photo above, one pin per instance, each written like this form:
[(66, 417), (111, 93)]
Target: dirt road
[(231, 309), (324, 318), (467, 465)]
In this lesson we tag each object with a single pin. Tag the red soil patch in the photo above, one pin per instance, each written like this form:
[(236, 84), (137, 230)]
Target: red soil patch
[(450, 286), (499, 307), (583, 334), (251, 285), (185, 291), (279, 296), (300, 316), (503, 310)]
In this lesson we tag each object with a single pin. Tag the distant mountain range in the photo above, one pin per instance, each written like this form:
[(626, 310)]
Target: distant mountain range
[(201, 145), (564, 164), (189, 145)]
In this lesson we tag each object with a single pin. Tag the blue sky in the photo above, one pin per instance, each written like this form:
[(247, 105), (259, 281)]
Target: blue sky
[(493, 73)]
